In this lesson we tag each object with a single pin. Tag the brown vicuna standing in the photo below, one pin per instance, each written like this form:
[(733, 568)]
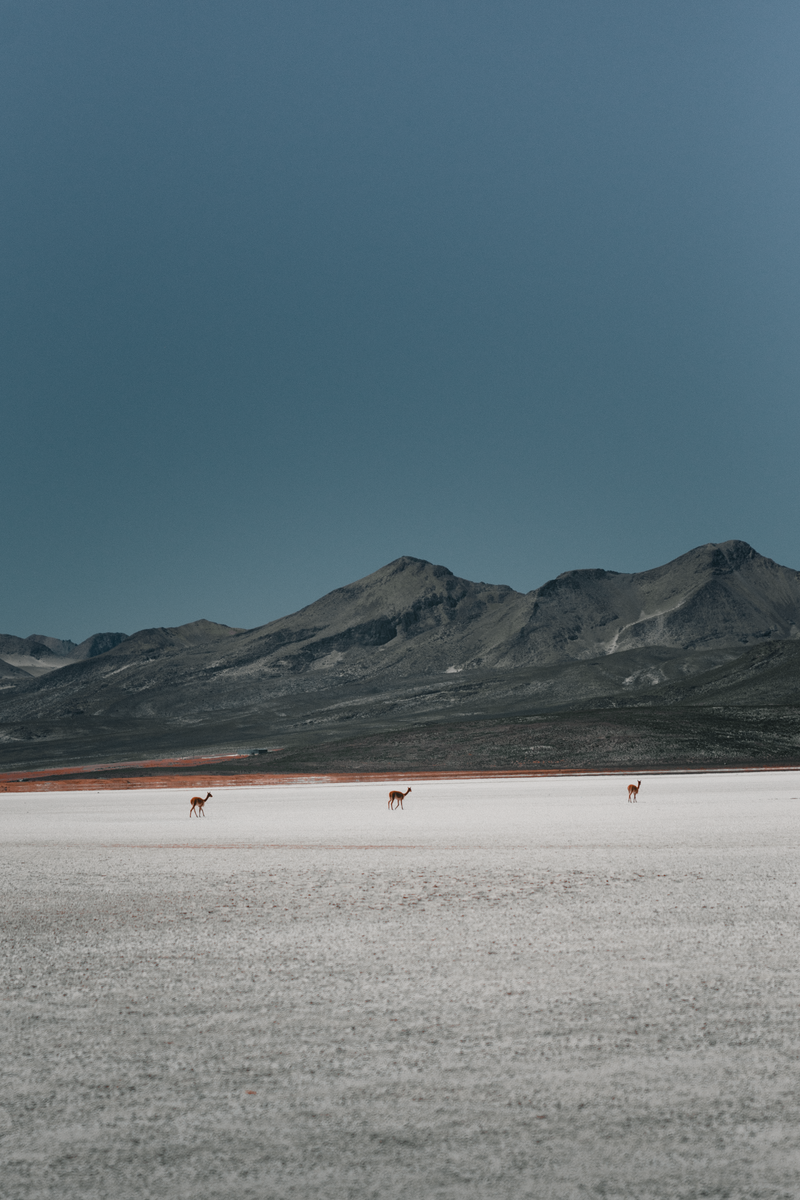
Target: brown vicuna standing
[(198, 804), (633, 791), (397, 798)]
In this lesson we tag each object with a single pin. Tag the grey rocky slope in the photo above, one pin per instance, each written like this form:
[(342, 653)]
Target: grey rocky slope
[(413, 617), (38, 654), (412, 641)]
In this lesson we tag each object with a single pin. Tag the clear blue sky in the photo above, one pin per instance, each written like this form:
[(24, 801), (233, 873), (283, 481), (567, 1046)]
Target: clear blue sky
[(291, 289)]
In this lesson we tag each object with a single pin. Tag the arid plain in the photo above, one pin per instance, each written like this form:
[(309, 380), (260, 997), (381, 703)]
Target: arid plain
[(512, 988)]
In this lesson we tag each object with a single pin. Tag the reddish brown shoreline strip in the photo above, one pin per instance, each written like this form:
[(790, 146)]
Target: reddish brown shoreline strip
[(154, 782)]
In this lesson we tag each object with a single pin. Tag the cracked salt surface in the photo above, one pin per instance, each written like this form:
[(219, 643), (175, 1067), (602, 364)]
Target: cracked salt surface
[(512, 988)]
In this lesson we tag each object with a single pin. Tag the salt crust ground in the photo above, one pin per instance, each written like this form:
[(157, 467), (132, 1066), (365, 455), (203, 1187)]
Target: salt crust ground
[(514, 988)]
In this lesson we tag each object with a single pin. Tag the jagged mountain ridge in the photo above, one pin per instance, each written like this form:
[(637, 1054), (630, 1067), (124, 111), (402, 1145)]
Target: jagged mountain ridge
[(414, 617), (714, 596), (38, 654), (422, 617), (413, 639)]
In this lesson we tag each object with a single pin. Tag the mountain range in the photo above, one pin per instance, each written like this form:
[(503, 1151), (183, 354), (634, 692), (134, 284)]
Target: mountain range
[(413, 645), (38, 655)]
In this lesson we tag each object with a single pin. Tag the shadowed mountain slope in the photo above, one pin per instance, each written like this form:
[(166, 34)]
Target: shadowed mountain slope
[(148, 644), (59, 646), (30, 655), (98, 643), (765, 674), (413, 617), (38, 655), (714, 596), (413, 641), (12, 672)]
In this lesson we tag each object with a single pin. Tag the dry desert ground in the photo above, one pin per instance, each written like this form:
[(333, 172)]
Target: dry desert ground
[(512, 988)]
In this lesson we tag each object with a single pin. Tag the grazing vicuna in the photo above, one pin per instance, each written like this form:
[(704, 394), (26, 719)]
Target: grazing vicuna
[(633, 791), (397, 798), (198, 804)]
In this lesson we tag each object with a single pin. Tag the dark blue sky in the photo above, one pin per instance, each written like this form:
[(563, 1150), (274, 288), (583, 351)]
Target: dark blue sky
[(291, 289)]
